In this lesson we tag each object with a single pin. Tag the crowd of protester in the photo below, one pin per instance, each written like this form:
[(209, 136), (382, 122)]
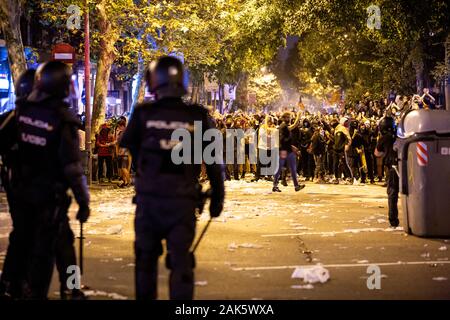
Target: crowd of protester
[(338, 147), (329, 148)]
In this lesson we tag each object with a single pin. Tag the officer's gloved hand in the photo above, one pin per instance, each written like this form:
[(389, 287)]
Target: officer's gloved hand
[(215, 208), (83, 213)]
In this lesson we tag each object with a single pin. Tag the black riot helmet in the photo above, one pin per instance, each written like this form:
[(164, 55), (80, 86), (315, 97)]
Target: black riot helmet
[(24, 85), (166, 74), (53, 78), (387, 125)]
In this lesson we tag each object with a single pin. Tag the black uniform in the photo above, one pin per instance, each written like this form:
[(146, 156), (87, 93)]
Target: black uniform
[(13, 271), (307, 159), (13, 280), (386, 145), (368, 152), (49, 162), (167, 194)]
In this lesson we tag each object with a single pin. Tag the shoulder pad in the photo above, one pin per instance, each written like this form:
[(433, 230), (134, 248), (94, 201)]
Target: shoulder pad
[(201, 110), (68, 117), (145, 105), (198, 107)]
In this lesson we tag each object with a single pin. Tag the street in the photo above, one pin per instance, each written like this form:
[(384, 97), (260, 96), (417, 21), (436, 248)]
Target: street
[(251, 251)]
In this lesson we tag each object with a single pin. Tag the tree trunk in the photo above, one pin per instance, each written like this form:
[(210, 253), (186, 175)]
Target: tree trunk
[(221, 96), (10, 11), (197, 83), (195, 92), (139, 93), (418, 65), (106, 59), (101, 90), (242, 92)]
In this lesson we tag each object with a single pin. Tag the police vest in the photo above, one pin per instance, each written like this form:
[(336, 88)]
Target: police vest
[(39, 136), (154, 124)]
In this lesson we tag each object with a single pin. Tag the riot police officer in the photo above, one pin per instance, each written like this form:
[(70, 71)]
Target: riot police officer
[(385, 146), (167, 193), (13, 266), (48, 164)]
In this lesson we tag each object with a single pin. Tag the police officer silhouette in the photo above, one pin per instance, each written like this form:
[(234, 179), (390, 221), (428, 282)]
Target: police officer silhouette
[(12, 277), (385, 147), (166, 193), (48, 164)]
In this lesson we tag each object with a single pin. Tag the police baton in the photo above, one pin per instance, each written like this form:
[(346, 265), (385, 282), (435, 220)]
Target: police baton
[(201, 235), (81, 248), (204, 196)]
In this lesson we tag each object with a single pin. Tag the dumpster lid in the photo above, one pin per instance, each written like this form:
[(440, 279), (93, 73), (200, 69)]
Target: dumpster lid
[(420, 121)]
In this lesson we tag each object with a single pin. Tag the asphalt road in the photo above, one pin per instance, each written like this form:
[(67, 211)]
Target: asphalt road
[(252, 250)]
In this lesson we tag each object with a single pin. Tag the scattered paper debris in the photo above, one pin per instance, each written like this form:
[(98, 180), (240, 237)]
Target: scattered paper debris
[(250, 246), (440, 279), (362, 261), (362, 230), (98, 293), (306, 286), (233, 246), (311, 274), (328, 234), (443, 248), (311, 205), (202, 283), (115, 229)]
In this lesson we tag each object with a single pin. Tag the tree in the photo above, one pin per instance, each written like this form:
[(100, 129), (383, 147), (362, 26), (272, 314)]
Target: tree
[(250, 36), (267, 89), (111, 19), (10, 12), (336, 45)]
